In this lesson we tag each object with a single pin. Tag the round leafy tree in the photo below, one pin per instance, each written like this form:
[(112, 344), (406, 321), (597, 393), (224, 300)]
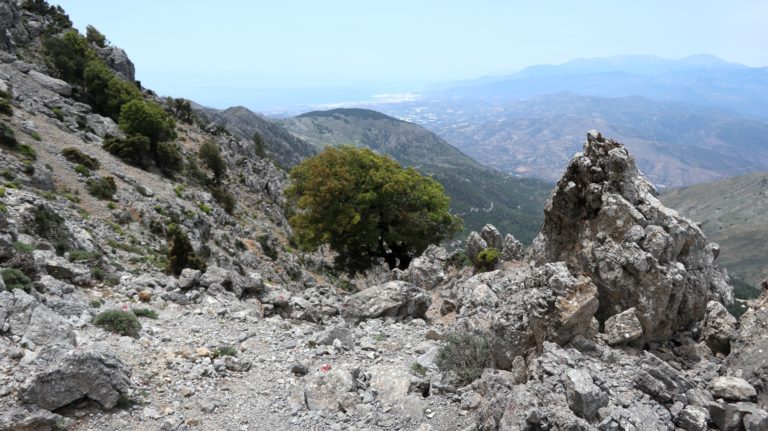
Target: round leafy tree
[(365, 206), (140, 117)]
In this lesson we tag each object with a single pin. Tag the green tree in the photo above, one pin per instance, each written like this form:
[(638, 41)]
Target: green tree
[(68, 55), (105, 91), (133, 150), (181, 254), (211, 156), (94, 36), (141, 117), (366, 207)]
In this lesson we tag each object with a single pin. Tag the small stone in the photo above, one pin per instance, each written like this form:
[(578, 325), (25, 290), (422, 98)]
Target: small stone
[(202, 352), (623, 327), (145, 296), (732, 388), (433, 334)]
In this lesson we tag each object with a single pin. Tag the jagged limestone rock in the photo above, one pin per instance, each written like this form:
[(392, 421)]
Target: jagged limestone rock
[(512, 249), (396, 299), (718, 328), (475, 244), (604, 220), (749, 347), (492, 237), (623, 327)]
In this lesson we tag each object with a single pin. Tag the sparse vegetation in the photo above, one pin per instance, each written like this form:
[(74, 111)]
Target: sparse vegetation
[(466, 354), (76, 156), (418, 369), (180, 253), (45, 223), (145, 312), (487, 259), (132, 150), (82, 170), (211, 156), (225, 351), (83, 255), (224, 198), (36, 136), (23, 247), (5, 104), (102, 188), (67, 55), (27, 152), (15, 279), (119, 322), (96, 303), (7, 136), (266, 246), (95, 37)]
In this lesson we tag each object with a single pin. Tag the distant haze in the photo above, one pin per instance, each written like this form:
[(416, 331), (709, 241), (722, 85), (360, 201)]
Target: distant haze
[(268, 55)]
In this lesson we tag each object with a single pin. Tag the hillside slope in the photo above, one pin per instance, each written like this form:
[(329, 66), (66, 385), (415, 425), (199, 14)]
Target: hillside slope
[(478, 194), (733, 213)]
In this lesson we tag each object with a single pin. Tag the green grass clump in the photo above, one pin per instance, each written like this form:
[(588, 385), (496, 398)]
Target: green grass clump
[(125, 247), (5, 107), (204, 208), (82, 170), (27, 152), (225, 351), (179, 190), (266, 246), (119, 322), (58, 113), (74, 155), (145, 312), (22, 247), (466, 354), (7, 136), (96, 303), (102, 188), (15, 279), (487, 259), (418, 369), (36, 136), (83, 255)]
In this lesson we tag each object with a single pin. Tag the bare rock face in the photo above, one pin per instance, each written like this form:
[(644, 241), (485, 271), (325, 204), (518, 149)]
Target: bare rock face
[(396, 299), (605, 221), (718, 328), (492, 237), (749, 347), (118, 60), (475, 244), (99, 376)]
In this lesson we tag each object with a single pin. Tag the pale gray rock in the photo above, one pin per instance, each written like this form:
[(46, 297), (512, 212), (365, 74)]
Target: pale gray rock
[(396, 299), (749, 347), (189, 278), (330, 390), (51, 83), (592, 221), (693, 418), (718, 328), (392, 383), (118, 60), (215, 275), (584, 397), (428, 270), (512, 249), (623, 327), (732, 388), (98, 376), (47, 328), (475, 244), (492, 237), (31, 419)]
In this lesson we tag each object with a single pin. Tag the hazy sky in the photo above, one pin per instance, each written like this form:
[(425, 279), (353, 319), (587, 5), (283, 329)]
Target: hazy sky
[(265, 54)]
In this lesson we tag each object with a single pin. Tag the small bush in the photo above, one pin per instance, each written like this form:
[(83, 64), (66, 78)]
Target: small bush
[(98, 274), (133, 150), (487, 259), (5, 107), (23, 247), (418, 369), (35, 136), (140, 117), (466, 354), (267, 247), (82, 170), (96, 303), (83, 255), (58, 113), (179, 190), (119, 322), (15, 279), (224, 198), (168, 158), (180, 252), (182, 109), (102, 188), (145, 312), (204, 208), (225, 351), (95, 36), (74, 155), (27, 152), (45, 223), (7, 136)]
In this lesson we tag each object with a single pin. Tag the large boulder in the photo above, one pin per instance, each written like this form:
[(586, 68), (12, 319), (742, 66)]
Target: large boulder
[(475, 244), (397, 299), (51, 83), (21, 315), (749, 347), (718, 328), (329, 388), (118, 60), (428, 270), (95, 375), (604, 220), (492, 237)]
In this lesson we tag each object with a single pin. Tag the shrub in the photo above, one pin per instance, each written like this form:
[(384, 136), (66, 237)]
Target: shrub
[(36, 136), (82, 170), (105, 90), (58, 113), (83, 255), (266, 246), (180, 252), (204, 208), (119, 322), (95, 37), (182, 109), (224, 351), (258, 145), (74, 155), (145, 312), (133, 149), (179, 190), (102, 188), (23, 247), (140, 117), (47, 224), (418, 369), (68, 55), (15, 279), (487, 259), (211, 156), (224, 198), (96, 303), (466, 354), (56, 13), (168, 158), (5, 107), (27, 152), (7, 136)]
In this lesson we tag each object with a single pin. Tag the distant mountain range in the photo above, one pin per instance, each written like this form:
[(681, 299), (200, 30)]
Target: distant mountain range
[(733, 213), (687, 121)]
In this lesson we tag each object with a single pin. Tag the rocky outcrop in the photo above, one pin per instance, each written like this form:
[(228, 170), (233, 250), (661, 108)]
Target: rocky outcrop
[(749, 346), (118, 60), (397, 299), (604, 220), (98, 376)]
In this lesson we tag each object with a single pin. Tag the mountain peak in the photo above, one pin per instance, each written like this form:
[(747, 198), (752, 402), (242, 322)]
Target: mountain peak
[(363, 114)]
